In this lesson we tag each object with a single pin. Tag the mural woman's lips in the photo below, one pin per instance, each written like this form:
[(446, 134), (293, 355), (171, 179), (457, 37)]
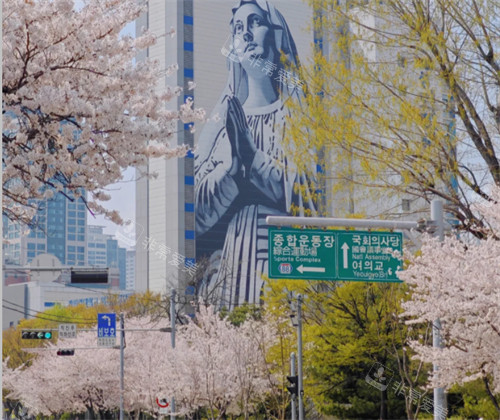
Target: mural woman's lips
[(251, 46)]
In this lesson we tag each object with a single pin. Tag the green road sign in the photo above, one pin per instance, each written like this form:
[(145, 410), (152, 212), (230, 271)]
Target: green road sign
[(334, 255), (367, 256), (302, 254)]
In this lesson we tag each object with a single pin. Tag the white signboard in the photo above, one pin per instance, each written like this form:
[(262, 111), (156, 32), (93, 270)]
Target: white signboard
[(67, 330)]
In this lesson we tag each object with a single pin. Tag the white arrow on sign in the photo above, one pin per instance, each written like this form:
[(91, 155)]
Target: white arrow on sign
[(302, 269), (108, 318), (345, 248)]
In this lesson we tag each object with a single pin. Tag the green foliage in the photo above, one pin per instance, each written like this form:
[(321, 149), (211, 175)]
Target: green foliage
[(359, 330), (143, 304), (12, 346), (350, 328), (241, 313), (472, 401), (139, 304)]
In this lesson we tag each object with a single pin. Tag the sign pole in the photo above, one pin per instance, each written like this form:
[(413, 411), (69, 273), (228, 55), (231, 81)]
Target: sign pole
[(172, 337), (299, 354), (122, 343), (292, 373), (439, 395)]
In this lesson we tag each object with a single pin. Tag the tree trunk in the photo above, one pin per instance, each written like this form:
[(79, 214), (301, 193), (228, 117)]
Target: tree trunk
[(490, 394), (383, 404), (409, 408)]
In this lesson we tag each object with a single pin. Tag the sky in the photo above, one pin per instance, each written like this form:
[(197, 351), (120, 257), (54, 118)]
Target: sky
[(122, 200), (122, 193)]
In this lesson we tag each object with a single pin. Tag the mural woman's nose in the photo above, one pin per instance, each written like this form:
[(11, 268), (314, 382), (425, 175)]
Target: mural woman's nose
[(248, 36)]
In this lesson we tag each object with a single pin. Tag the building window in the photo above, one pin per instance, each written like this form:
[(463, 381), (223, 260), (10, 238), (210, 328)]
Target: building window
[(406, 204)]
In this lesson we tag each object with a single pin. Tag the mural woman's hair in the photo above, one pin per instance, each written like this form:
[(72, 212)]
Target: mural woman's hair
[(284, 44)]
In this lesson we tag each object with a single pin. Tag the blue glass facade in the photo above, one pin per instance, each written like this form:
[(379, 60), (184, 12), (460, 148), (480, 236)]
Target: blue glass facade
[(58, 228)]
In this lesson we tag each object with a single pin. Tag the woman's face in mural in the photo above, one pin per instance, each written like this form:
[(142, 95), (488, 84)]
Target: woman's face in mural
[(251, 33)]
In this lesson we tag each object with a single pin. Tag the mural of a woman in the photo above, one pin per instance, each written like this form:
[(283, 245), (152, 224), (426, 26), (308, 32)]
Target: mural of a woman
[(242, 172)]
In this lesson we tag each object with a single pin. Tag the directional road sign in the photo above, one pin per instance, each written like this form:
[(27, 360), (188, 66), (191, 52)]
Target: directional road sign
[(334, 255), (302, 254), (106, 330), (368, 255)]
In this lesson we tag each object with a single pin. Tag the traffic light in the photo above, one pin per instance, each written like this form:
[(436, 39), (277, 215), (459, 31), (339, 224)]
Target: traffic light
[(66, 352), (293, 388), (36, 334)]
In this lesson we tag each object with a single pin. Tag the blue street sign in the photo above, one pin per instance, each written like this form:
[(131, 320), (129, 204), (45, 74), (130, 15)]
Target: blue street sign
[(106, 325)]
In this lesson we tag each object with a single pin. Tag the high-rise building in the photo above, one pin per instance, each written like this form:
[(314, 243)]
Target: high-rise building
[(103, 251), (59, 229), (201, 220), (170, 243), (130, 269)]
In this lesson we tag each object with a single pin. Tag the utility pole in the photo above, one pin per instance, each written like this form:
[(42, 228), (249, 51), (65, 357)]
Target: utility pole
[(439, 395), (172, 337), (299, 354), (122, 343), (292, 373)]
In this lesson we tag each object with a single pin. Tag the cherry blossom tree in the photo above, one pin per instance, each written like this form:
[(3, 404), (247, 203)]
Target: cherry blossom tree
[(214, 366), (458, 282), (220, 367), (77, 109), (90, 380), (147, 368), (53, 384)]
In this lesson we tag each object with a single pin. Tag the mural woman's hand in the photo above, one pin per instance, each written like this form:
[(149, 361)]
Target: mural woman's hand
[(237, 126), (232, 134)]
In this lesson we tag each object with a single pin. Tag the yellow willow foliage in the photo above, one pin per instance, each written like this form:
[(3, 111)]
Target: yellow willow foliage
[(85, 317), (402, 90), (13, 344)]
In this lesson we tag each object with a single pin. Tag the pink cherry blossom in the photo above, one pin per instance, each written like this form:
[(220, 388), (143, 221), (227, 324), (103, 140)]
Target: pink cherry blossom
[(77, 105), (458, 282)]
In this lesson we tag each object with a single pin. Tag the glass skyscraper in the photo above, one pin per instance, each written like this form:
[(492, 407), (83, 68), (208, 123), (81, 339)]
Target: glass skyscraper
[(59, 228)]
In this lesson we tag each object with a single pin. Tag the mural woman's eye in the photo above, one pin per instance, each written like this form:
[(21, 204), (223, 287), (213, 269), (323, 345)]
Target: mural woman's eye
[(238, 28), (256, 21)]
